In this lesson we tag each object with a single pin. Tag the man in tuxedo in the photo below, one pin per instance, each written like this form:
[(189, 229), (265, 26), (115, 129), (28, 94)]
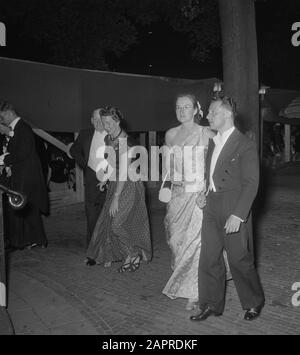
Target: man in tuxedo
[(233, 176), (84, 151), (24, 227)]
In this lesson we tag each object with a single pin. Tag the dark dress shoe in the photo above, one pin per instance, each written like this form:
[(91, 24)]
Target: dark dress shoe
[(204, 314), (253, 313), (90, 261)]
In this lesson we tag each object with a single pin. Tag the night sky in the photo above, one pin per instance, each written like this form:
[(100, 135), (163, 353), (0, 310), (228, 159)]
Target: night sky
[(163, 52)]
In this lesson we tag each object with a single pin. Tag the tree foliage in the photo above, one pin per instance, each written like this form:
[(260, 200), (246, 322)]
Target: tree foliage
[(197, 19), (82, 33)]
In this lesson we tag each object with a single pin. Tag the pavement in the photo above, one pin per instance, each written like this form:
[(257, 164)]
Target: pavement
[(52, 291)]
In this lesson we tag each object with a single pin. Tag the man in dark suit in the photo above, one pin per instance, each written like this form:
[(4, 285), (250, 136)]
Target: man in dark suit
[(233, 176), (23, 228), (85, 151)]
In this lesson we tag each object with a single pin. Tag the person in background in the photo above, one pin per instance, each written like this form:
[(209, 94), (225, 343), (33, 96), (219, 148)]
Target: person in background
[(24, 227), (122, 231), (84, 151)]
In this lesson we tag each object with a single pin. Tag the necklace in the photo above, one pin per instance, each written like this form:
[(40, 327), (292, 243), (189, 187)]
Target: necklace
[(113, 139)]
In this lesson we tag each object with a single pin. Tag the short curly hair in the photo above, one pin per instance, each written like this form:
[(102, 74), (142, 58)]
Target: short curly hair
[(111, 111), (228, 103), (6, 106)]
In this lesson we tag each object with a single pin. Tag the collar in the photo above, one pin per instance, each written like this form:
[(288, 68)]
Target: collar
[(221, 139), (14, 122), (103, 133)]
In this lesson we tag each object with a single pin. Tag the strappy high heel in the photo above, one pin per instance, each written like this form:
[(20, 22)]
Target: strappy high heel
[(191, 304), (135, 263), (131, 266), (107, 264)]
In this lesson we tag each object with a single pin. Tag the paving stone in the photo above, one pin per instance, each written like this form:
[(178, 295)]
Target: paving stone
[(51, 291)]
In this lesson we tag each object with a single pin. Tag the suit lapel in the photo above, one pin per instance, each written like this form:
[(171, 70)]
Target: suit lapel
[(211, 146), (17, 127), (228, 149), (88, 143)]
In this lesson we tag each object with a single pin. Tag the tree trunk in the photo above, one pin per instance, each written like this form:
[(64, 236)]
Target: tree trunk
[(240, 65)]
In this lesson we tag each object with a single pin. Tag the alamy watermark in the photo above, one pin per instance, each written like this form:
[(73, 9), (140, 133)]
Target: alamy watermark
[(2, 34), (296, 36), (186, 164), (296, 296)]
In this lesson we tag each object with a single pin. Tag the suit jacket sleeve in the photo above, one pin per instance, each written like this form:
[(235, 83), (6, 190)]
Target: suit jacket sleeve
[(250, 180), (77, 151)]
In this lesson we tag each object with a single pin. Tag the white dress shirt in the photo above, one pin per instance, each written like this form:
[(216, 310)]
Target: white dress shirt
[(12, 127), (14, 122), (220, 140), (96, 154)]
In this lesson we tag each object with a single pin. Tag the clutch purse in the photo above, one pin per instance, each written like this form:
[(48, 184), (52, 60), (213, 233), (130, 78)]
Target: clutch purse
[(165, 193)]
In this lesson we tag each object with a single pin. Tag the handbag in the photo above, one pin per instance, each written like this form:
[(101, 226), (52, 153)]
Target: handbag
[(165, 193)]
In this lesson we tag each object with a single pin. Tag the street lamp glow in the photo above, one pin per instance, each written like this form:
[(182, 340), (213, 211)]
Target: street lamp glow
[(263, 89), (217, 86)]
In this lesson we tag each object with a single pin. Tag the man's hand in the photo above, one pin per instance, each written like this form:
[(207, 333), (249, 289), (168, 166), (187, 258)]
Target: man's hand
[(232, 224)]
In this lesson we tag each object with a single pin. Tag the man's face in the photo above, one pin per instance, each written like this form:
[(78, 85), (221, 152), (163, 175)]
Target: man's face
[(5, 117), (217, 116), (96, 121)]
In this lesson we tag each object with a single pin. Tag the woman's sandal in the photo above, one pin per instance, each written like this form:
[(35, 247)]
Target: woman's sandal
[(135, 263), (191, 304), (125, 267), (131, 266)]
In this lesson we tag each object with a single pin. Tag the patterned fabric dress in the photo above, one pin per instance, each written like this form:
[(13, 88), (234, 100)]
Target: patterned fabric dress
[(126, 234), (183, 221)]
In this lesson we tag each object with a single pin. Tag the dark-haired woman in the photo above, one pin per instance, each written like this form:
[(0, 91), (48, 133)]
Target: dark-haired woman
[(122, 231)]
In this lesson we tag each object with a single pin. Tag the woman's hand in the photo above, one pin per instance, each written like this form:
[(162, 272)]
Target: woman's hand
[(114, 207), (201, 200), (175, 182), (178, 183), (102, 185)]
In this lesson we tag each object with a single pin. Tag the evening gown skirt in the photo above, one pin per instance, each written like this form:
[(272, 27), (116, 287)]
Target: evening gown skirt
[(126, 234), (183, 220), (183, 224)]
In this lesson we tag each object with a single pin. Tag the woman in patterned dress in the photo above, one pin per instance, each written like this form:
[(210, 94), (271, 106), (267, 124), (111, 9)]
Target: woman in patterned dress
[(122, 230)]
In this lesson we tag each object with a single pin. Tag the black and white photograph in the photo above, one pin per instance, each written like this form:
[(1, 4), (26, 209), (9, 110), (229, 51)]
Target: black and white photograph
[(149, 170)]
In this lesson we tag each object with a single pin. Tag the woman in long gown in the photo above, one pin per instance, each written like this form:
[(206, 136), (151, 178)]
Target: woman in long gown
[(183, 221), (122, 230)]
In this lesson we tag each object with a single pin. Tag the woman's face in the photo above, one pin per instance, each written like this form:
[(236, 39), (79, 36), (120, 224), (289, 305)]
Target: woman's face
[(96, 121), (110, 125), (185, 110)]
